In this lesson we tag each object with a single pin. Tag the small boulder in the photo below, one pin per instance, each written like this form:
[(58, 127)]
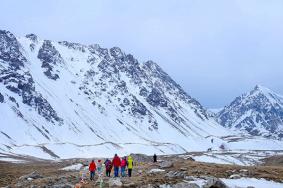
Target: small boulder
[(204, 177), (244, 172), (189, 158), (63, 186), (115, 182), (31, 176), (166, 164), (133, 185), (156, 171), (149, 186), (189, 178), (173, 174), (215, 183), (185, 185), (235, 176)]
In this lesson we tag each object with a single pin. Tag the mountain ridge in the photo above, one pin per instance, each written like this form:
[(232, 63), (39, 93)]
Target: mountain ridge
[(63, 92)]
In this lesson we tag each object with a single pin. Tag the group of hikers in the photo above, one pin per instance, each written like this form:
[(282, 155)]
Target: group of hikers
[(117, 163)]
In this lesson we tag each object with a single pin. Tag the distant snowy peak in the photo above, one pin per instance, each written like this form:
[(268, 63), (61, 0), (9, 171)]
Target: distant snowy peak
[(272, 97), (259, 112)]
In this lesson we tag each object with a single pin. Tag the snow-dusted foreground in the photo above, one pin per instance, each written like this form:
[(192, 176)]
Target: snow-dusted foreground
[(257, 183), (245, 182), (12, 160), (171, 171)]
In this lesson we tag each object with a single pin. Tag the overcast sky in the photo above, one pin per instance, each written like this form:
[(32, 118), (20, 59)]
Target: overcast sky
[(215, 50)]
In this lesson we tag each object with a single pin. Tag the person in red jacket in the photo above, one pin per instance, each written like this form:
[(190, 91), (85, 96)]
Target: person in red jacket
[(116, 163), (92, 168)]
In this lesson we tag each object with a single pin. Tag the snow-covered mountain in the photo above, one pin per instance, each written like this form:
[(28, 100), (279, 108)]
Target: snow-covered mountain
[(259, 112), (64, 98)]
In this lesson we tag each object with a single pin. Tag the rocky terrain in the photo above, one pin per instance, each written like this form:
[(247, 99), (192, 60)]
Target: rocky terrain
[(169, 171)]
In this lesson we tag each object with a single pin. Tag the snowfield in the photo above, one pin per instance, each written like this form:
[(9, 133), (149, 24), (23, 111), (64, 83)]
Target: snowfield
[(234, 157), (74, 167), (257, 183), (12, 160)]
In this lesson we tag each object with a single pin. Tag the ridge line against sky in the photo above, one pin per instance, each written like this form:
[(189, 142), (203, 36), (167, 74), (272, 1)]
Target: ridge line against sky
[(216, 50)]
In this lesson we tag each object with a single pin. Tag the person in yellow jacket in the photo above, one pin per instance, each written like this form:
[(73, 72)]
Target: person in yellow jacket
[(130, 164)]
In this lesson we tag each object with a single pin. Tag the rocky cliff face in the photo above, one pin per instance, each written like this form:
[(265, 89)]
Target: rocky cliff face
[(15, 77), (259, 112), (63, 92)]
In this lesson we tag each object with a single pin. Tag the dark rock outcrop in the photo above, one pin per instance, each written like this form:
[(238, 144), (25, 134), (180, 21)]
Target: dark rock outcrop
[(10, 51), (49, 57), (1, 98)]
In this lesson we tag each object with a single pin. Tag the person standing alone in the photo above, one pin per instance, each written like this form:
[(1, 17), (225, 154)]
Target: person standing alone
[(154, 158), (92, 168)]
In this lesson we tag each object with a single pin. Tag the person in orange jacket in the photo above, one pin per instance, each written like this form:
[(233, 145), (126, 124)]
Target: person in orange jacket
[(92, 168)]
